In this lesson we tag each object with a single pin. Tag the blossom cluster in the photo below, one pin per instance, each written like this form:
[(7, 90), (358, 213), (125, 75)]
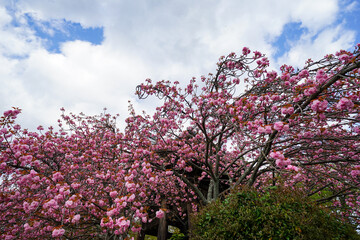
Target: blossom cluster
[(243, 125)]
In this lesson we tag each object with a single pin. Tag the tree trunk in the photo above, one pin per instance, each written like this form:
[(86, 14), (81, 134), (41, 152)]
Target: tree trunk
[(141, 234), (189, 212), (163, 226)]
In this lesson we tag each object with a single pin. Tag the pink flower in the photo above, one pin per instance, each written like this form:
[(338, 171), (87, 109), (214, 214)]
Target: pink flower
[(136, 229), (245, 51), (7, 113), (26, 206), (289, 110), (344, 104), (188, 169), (277, 155), (90, 181), (268, 129), (131, 198), (11, 113), (310, 91), (111, 212), (222, 77), (75, 185), (319, 106), (344, 57), (107, 222), (292, 167), (355, 173), (160, 214), (58, 232), (123, 222), (282, 163), (261, 130), (3, 131), (257, 54), (285, 77), (129, 186), (113, 194), (230, 65), (57, 176), (51, 204), (69, 204), (321, 76), (285, 128), (304, 73), (27, 227), (33, 205), (278, 126), (33, 173), (76, 218), (308, 134)]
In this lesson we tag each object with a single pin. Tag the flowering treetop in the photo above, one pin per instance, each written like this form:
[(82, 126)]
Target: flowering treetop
[(300, 126), (90, 181)]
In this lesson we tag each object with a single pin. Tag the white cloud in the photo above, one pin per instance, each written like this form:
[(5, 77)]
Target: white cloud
[(315, 15), (352, 6), (4, 17), (79, 79), (158, 39), (327, 41), (15, 41), (87, 12)]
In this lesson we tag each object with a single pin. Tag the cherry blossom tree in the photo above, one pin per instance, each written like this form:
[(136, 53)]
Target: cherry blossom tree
[(298, 127), (81, 182), (243, 125)]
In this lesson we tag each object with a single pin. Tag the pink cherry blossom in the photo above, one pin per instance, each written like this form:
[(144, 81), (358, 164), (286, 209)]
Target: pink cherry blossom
[(344, 104), (160, 213), (76, 218), (289, 110), (244, 124), (319, 106), (278, 126), (58, 232), (245, 51), (113, 194)]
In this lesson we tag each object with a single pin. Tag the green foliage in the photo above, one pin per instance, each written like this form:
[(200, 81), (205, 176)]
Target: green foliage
[(149, 237), (177, 236), (276, 214)]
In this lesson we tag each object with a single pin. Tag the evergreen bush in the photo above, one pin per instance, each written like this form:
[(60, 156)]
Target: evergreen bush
[(277, 213)]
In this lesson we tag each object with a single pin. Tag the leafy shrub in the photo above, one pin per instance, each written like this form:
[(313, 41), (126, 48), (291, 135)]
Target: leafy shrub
[(276, 214)]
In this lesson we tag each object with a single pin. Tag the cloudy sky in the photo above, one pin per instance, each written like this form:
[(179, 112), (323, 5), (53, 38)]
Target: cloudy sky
[(85, 55)]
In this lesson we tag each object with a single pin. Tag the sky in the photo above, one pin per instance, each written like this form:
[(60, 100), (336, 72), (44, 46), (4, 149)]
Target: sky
[(86, 55)]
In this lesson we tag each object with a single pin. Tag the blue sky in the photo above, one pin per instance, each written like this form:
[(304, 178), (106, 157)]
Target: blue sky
[(85, 55), (67, 31), (292, 32)]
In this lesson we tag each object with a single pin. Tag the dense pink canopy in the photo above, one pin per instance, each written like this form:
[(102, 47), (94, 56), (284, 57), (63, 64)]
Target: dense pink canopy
[(243, 125)]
